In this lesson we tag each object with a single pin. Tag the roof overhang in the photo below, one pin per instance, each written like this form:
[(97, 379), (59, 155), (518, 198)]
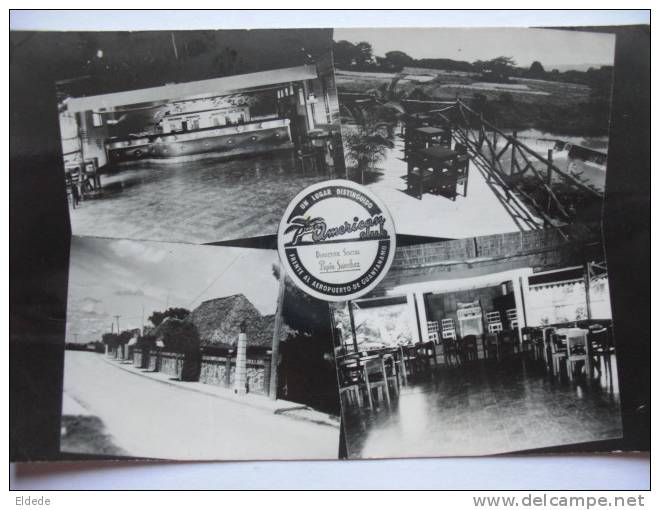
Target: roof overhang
[(459, 284), (216, 86)]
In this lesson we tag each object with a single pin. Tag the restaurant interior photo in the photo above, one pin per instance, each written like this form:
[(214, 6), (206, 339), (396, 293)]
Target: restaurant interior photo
[(500, 349)]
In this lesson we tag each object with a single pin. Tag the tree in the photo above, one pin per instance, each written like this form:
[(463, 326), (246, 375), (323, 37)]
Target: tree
[(536, 70), (157, 318), (122, 339), (397, 60), (496, 69), (363, 54), (343, 53), (182, 337), (390, 103), (111, 340), (179, 336), (348, 55)]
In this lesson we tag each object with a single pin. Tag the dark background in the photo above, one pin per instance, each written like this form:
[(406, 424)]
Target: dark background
[(39, 223)]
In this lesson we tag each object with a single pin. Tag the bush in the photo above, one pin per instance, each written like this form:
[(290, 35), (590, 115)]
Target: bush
[(182, 337)]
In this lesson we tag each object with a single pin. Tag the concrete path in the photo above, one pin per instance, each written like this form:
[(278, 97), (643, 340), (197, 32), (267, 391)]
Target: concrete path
[(147, 418), (479, 213)]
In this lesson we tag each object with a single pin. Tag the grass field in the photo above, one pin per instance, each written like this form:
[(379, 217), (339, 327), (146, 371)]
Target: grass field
[(463, 85), (560, 108)]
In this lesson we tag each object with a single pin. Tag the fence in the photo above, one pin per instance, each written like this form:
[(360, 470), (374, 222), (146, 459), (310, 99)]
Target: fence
[(532, 187), (171, 363), (220, 371), (215, 370)]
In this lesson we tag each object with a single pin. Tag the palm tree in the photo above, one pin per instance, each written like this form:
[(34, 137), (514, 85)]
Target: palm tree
[(390, 101), (363, 136), (302, 225)]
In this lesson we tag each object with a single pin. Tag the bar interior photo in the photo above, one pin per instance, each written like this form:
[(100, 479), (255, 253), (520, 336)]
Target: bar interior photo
[(188, 160)]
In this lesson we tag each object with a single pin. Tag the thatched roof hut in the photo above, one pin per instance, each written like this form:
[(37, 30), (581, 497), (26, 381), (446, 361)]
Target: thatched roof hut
[(219, 320)]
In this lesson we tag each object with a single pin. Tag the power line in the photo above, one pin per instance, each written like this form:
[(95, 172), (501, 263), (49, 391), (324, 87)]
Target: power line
[(215, 280)]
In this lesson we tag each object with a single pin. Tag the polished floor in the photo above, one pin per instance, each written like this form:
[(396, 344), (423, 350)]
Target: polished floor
[(487, 408), (200, 201)]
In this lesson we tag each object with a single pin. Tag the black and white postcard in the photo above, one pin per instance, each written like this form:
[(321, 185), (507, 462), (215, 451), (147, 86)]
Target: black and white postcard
[(316, 244), (466, 132)]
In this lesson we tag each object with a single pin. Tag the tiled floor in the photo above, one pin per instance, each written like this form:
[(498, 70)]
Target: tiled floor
[(480, 213), (486, 408), (198, 201)]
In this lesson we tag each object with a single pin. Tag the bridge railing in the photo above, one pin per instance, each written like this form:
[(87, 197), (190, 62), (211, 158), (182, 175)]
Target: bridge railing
[(508, 160)]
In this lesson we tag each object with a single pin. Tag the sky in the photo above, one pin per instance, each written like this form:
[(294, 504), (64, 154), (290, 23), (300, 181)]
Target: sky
[(111, 277), (567, 49)]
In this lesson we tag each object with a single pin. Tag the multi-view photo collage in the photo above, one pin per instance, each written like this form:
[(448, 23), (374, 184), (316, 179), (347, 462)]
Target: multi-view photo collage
[(491, 331)]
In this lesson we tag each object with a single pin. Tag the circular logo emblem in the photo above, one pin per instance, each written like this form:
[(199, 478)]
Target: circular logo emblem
[(336, 240)]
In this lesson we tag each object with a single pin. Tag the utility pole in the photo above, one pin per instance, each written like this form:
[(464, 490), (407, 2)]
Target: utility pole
[(176, 53), (587, 288)]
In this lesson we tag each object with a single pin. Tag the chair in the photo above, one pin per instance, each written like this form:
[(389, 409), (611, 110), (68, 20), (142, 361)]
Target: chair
[(375, 379), (469, 347), (349, 385), (532, 341), (602, 347), (506, 340), (494, 322), (434, 331), (400, 361), (72, 189), (74, 182), (577, 352), (512, 317), (559, 352), (547, 333), (491, 349), (308, 159), (448, 329), (426, 353), (92, 178), (410, 359), (390, 371), (450, 349), (455, 177)]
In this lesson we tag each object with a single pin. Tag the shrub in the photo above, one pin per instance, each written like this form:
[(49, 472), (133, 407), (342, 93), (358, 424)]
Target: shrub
[(182, 337)]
